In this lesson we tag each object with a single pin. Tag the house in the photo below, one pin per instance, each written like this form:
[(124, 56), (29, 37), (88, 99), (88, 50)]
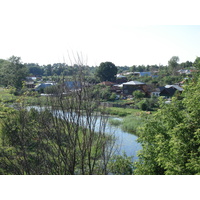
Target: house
[(184, 71), (30, 84), (166, 91), (131, 86), (145, 74), (169, 90), (177, 87), (72, 85), (121, 79), (42, 86), (117, 89), (31, 78)]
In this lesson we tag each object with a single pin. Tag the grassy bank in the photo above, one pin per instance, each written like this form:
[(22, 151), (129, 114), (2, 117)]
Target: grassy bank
[(132, 119), (121, 112)]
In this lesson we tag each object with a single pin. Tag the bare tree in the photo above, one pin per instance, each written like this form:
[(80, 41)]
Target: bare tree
[(67, 136)]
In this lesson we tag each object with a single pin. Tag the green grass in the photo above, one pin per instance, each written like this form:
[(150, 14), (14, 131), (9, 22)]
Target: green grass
[(132, 123), (121, 112), (133, 120), (115, 122)]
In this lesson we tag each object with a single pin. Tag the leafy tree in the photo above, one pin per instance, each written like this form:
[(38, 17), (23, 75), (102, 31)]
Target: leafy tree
[(35, 69), (106, 71), (173, 64), (12, 72), (101, 92), (196, 63), (171, 138), (186, 64)]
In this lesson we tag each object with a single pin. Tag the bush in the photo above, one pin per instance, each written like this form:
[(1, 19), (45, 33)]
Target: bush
[(121, 165)]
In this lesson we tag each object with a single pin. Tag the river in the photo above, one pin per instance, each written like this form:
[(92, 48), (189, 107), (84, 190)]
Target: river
[(125, 142)]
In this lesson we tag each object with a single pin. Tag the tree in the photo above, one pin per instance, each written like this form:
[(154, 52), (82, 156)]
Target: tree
[(173, 64), (106, 71), (138, 94), (186, 64), (171, 138), (67, 137), (196, 63), (12, 72), (34, 69)]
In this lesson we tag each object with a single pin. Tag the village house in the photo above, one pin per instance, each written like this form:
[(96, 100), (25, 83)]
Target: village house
[(121, 79), (166, 91), (131, 86), (42, 86)]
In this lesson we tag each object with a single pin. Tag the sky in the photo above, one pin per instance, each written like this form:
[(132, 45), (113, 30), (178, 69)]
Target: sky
[(125, 32)]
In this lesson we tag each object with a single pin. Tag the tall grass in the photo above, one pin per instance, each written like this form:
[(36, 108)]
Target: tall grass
[(115, 122), (132, 123), (121, 112)]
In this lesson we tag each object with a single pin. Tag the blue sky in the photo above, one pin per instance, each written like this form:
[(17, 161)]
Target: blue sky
[(123, 32)]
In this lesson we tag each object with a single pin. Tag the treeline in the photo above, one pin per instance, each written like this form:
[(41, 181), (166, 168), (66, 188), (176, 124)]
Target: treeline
[(55, 69), (13, 71)]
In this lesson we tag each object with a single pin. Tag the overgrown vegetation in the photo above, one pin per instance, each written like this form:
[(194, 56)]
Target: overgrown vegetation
[(68, 137), (171, 138)]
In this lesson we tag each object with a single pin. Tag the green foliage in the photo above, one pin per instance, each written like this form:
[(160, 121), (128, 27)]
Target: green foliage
[(115, 122), (7, 96), (173, 64), (138, 94), (132, 123), (112, 96), (35, 69), (121, 165), (196, 63), (12, 72), (148, 104), (171, 138), (106, 71), (121, 112), (101, 92), (36, 142)]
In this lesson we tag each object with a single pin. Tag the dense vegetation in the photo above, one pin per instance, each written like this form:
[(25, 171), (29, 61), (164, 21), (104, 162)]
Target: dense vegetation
[(171, 138)]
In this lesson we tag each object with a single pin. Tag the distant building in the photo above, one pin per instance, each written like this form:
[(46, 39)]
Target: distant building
[(42, 86), (72, 85), (30, 84), (184, 71), (131, 86), (121, 79), (31, 78), (145, 74), (166, 91)]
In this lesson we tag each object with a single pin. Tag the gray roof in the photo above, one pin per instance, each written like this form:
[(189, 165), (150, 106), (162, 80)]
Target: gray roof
[(134, 83), (174, 86)]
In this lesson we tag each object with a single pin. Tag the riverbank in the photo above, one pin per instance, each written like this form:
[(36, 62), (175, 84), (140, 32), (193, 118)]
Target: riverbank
[(130, 120)]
